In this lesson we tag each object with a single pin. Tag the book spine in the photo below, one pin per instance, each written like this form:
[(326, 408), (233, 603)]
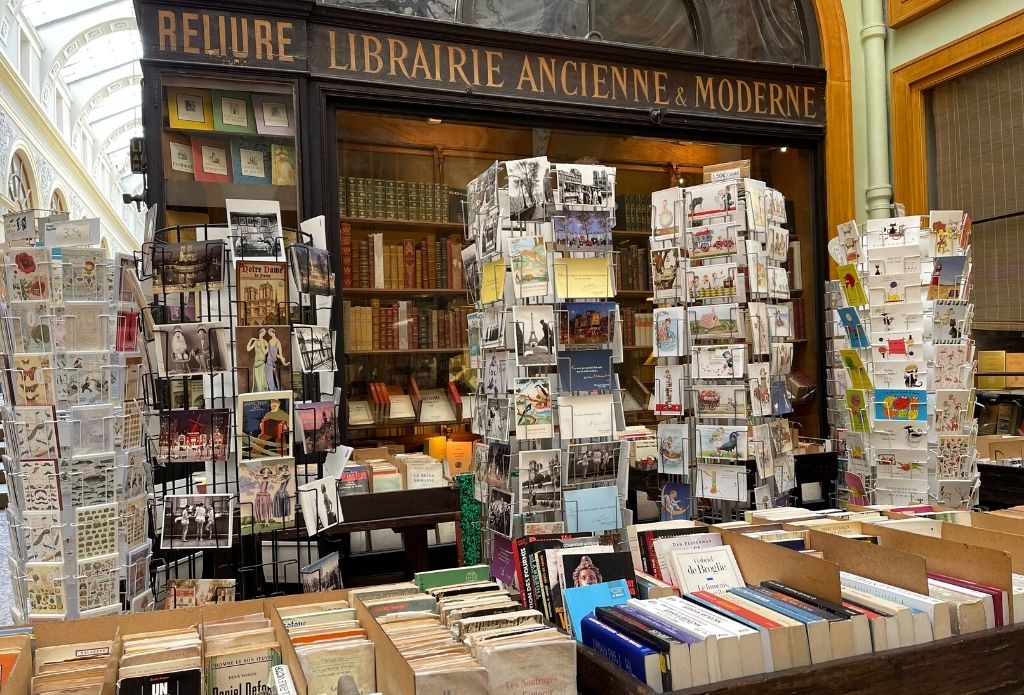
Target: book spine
[(522, 573), (627, 654), (375, 322), (346, 254), (379, 199), (409, 264), (346, 312), (390, 203)]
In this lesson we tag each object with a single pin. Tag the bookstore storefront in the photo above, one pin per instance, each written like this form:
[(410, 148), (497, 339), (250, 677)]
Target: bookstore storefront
[(378, 119)]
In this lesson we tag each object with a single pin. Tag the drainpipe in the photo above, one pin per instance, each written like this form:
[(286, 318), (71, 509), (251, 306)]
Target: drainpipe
[(876, 80)]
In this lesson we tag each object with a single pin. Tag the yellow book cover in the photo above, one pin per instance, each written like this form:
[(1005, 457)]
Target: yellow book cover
[(1015, 363), (991, 361)]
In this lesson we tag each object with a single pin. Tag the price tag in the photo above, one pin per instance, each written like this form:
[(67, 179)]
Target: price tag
[(18, 226), (72, 233)]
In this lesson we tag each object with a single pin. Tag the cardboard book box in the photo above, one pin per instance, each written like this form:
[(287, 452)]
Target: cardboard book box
[(17, 678)]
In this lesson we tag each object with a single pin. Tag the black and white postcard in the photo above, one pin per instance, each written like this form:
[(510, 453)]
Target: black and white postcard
[(197, 521)]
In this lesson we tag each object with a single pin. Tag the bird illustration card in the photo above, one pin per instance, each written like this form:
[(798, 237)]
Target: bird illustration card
[(35, 382), (531, 275), (669, 331), (82, 378), (716, 321), (667, 265), (953, 366), (534, 327), (949, 232), (266, 494), (29, 271), (909, 405), (951, 321), (712, 240), (894, 231), (853, 288), (673, 448), (40, 484), (722, 442), (670, 387), (953, 409), (533, 408), (857, 408), (718, 361), (901, 464), (854, 365), (711, 282), (668, 214), (42, 536), (35, 431), (724, 400), (856, 333), (718, 481)]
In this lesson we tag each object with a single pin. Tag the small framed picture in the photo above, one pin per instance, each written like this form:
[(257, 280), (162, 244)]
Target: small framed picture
[(189, 109)]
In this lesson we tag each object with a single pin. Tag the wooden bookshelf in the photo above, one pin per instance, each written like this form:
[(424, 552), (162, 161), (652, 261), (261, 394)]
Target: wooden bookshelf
[(412, 292), (406, 423), (385, 225), (426, 351)]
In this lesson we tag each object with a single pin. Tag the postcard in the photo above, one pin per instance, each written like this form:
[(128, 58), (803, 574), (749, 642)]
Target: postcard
[(83, 378), (781, 359), (893, 231), (481, 195), (96, 530), (949, 277), (263, 358), (853, 288), (585, 371), (262, 291), (320, 505), (760, 392), (669, 389), (137, 574), (901, 464), (498, 365), (187, 267), (673, 448), (35, 380), (856, 491), (909, 405), (953, 366), (264, 424), (583, 278), (711, 241), (857, 408), (900, 492), (534, 418), (590, 417), (668, 213), (44, 583), (98, 582), (197, 521), (192, 593), (583, 230), (854, 365), (711, 282), (846, 247), (89, 480), (955, 456), (856, 335), (757, 273), (529, 188), (531, 528), (950, 233), (893, 373), (191, 348), (491, 236), (953, 409), (498, 419), (255, 229), (959, 494), (35, 431), (585, 184), (589, 463), (592, 509), (539, 480), (40, 484), (322, 575), (496, 466), (720, 401), (719, 481), (951, 321), (755, 194), (667, 264), (530, 271), (902, 288), (266, 494), (669, 331), (30, 275), (760, 328), (316, 425), (718, 361), (759, 444), (86, 326), (893, 260), (311, 269), (716, 321), (499, 512), (722, 442), (313, 347), (193, 435), (777, 243), (587, 324), (778, 283), (84, 273), (30, 325), (535, 334), (643, 454), (898, 434), (710, 200)]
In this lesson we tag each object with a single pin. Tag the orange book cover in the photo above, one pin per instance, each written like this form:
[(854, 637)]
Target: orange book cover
[(327, 636)]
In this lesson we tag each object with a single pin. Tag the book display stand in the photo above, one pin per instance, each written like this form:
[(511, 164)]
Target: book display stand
[(723, 333), (73, 418), (544, 340), (900, 391), (242, 386)]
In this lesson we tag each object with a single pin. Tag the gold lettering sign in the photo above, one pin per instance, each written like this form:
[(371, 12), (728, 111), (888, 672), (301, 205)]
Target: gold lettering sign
[(225, 37)]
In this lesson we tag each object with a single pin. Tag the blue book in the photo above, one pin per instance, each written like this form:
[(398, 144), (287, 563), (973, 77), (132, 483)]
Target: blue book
[(676, 632), (626, 653), (786, 609), (580, 601)]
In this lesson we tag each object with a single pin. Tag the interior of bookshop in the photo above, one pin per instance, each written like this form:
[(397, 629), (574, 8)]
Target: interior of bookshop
[(416, 390)]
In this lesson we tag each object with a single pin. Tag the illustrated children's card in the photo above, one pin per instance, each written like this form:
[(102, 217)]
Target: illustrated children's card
[(711, 282), (857, 406), (669, 331), (901, 288), (899, 434), (667, 263), (531, 275), (722, 482), (896, 320), (856, 335), (853, 288), (760, 328), (761, 392), (958, 494), (910, 405), (854, 365), (951, 321), (711, 241), (675, 501), (893, 260), (712, 200), (855, 489), (901, 464), (716, 321), (721, 442), (894, 373), (782, 359), (667, 213), (893, 231), (849, 245), (720, 401), (673, 448), (719, 361), (950, 232), (669, 388)]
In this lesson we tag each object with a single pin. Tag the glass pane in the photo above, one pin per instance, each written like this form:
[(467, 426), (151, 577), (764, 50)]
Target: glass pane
[(562, 17), (660, 23), (431, 9), (768, 30)]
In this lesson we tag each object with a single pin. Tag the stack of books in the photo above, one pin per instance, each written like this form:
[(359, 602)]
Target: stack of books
[(82, 668), (330, 644), (167, 661), (238, 653)]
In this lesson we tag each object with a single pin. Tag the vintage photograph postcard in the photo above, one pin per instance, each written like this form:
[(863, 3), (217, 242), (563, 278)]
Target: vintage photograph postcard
[(188, 267), (583, 230), (192, 348), (586, 184), (499, 512), (317, 426), (313, 348), (194, 435), (588, 463), (262, 289), (264, 424), (266, 493), (263, 357), (539, 480), (320, 505), (321, 575), (529, 188), (535, 334), (197, 521), (255, 229)]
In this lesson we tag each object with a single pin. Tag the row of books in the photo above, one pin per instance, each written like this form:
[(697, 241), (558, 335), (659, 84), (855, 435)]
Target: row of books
[(404, 325), (633, 267), (997, 361), (425, 264), (384, 199), (389, 403), (633, 212), (637, 328)]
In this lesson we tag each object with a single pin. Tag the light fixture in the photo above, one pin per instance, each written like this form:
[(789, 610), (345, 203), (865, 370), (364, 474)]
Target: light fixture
[(783, 149), (434, 121)]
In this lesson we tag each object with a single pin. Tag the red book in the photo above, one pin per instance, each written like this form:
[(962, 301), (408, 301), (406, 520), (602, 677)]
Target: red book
[(346, 254), (736, 609), (998, 595), (871, 615), (650, 559)]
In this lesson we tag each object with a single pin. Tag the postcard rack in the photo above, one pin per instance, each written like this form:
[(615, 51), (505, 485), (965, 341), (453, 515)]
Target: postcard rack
[(73, 422), (723, 335), (544, 339), (242, 389), (902, 363)]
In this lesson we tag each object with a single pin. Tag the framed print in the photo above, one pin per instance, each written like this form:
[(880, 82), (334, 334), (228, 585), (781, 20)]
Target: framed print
[(250, 160), (211, 159), (274, 114), (232, 112), (189, 109)]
